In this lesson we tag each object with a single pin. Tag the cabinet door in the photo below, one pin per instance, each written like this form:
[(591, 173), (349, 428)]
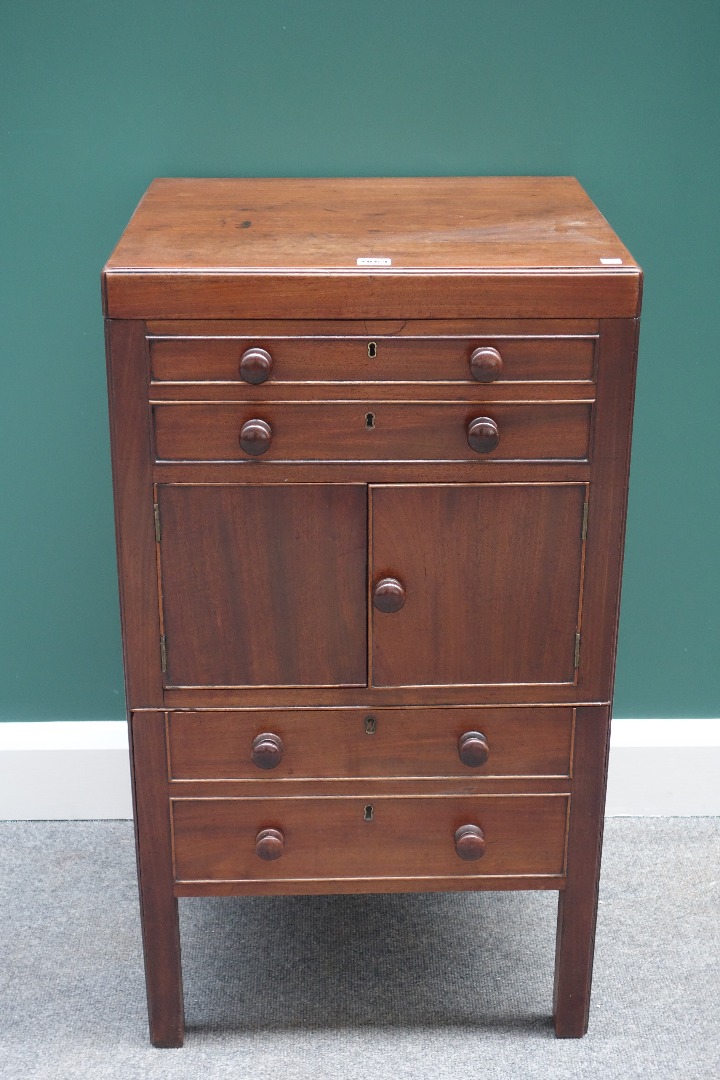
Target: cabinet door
[(264, 585), (492, 582)]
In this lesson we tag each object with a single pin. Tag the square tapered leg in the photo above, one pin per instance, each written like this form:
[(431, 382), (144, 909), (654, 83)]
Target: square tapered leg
[(158, 904)]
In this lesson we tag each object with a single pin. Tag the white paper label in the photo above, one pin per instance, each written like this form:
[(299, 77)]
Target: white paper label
[(611, 262), (374, 262)]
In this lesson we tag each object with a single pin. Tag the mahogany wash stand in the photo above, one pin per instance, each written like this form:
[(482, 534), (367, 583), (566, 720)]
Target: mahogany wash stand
[(370, 453)]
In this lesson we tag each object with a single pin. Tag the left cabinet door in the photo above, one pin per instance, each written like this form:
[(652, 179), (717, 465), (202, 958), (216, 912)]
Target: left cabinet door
[(264, 585)]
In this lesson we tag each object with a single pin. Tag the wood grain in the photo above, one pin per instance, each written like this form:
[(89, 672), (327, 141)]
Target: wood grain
[(488, 471), (264, 585), (281, 770), (334, 743), (372, 328), (271, 788), (607, 506), (577, 910), (130, 440), (436, 392), (345, 359), (394, 432), (375, 697), (158, 906), (534, 294), (358, 885), (528, 247), (492, 575), (426, 224), (331, 838)]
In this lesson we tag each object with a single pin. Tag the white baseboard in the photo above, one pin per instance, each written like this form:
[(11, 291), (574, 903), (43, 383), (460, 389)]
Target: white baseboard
[(80, 769), (66, 769), (664, 768)]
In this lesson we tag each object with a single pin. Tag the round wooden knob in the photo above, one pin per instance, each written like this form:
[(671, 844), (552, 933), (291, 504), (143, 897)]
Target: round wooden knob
[(269, 844), (255, 365), (482, 435), (389, 594), (267, 750), (255, 436), (486, 364), (473, 749), (470, 842)]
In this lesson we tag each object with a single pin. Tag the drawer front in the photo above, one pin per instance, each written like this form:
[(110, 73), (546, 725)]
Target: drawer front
[(362, 743), (371, 431), (365, 359), (388, 836)]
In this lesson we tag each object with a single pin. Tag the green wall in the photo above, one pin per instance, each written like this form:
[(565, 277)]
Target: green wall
[(98, 98)]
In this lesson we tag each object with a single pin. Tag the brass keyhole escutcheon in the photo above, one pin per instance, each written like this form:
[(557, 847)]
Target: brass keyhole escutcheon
[(370, 420), (368, 813), (372, 349), (370, 725)]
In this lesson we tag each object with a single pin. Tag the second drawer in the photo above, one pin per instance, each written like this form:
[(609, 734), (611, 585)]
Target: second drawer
[(372, 431), (362, 743)]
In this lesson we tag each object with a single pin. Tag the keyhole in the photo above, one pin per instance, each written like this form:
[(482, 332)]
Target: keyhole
[(370, 725), (372, 349), (370, 420), (368, 813)]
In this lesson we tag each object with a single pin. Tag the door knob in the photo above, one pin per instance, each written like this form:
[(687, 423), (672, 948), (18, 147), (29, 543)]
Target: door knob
[(486, 364), (482, 435), (255, 437), (267, 750), (255, 365), (473, 749), (470, 843), (389, 594), (269, 844)]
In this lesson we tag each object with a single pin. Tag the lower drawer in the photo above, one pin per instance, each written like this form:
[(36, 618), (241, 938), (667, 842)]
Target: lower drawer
[(347, 837)]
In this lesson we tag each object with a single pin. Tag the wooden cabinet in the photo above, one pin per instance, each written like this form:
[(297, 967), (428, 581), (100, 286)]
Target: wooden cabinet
[(370, 485)]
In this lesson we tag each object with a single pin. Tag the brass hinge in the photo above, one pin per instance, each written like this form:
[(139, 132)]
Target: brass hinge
[(584, 520), (156, 511), (163, 653), (577, 650)]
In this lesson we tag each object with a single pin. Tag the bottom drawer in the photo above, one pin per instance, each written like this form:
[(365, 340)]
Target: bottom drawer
[(347, 837)]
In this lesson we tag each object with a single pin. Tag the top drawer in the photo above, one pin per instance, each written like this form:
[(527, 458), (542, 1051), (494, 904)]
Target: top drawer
[(358, 359)]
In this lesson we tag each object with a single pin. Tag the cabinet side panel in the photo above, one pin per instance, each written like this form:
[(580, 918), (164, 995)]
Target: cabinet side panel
[(134, 518), (607, 506)]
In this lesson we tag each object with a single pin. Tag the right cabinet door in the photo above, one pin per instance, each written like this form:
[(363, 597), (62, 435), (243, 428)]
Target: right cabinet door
[(492, 580)]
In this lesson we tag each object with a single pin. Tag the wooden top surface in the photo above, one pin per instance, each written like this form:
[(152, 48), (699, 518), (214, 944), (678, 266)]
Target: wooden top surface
[(235, 229)]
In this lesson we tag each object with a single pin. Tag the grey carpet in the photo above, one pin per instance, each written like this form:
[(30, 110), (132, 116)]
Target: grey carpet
[(358, 988)]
